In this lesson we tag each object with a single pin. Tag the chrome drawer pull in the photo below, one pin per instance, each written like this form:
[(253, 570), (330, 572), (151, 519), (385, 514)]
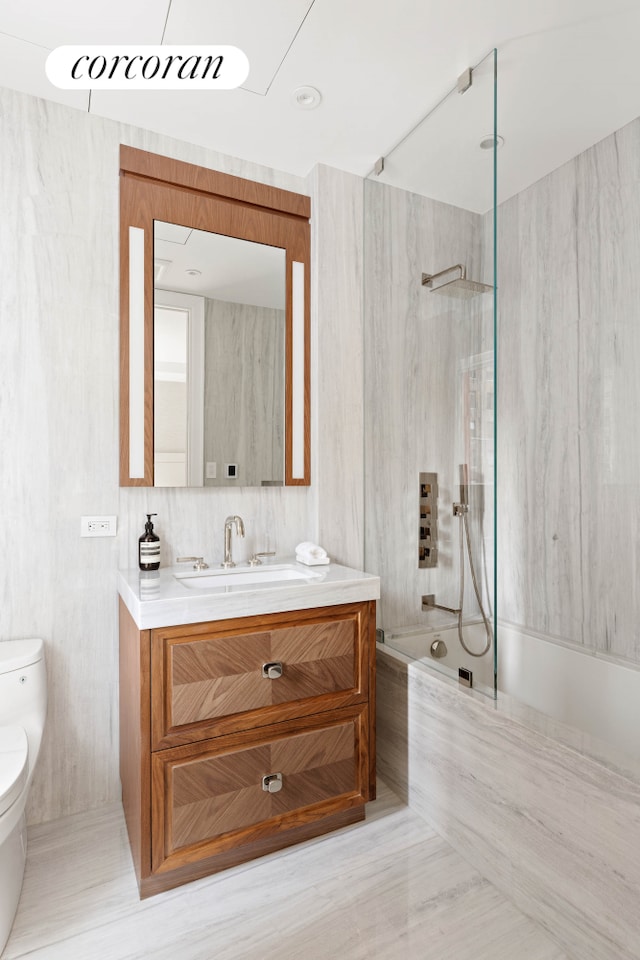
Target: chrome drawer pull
[(272, 783), (271, 671)]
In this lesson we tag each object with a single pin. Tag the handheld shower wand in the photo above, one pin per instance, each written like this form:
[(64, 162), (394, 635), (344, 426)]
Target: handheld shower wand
[(464, 483)]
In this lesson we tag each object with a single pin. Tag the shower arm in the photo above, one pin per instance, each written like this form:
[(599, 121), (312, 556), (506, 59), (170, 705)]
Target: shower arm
[(428, 278)]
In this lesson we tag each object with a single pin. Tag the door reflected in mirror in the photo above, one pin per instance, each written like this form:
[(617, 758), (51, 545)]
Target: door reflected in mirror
[(219, 359)]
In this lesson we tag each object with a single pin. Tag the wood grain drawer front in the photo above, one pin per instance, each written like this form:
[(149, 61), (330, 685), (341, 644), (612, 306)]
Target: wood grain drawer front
[(218, 682), (214, 800)]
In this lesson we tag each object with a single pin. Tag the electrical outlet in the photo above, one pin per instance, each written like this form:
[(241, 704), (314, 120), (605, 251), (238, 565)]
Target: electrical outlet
[(97, 526)]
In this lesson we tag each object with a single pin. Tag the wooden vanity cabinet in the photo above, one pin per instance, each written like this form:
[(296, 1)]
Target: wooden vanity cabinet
[(243, 736)]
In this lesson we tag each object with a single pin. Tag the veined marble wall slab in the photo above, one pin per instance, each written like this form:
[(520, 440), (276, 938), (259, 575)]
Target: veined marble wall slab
[(569, 399), (337, 414), (555, 831), (244, 391), (59, 426), (419, 346)]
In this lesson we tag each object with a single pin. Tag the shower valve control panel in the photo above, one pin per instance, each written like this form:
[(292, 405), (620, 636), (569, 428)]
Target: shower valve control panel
[(428, 530)]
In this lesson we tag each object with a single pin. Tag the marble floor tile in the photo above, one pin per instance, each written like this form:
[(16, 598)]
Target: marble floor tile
[(386, 888)]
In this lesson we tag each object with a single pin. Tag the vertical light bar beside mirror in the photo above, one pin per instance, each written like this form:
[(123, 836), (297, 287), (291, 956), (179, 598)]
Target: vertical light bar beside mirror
[(136, 353), (297, 372), (195, 392)]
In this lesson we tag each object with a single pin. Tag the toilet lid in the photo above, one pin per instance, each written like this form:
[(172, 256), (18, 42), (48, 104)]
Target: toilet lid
[(14, 764), (16, 654)]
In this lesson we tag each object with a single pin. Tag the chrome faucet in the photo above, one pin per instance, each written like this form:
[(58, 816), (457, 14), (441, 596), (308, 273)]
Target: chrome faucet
[(198, 562), (239, 525)]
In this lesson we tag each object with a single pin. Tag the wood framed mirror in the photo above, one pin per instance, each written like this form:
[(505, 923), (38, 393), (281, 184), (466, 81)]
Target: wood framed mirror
[(214, 328)]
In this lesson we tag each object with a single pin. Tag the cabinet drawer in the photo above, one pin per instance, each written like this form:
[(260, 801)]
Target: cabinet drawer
[(210, 796), (232, 677)]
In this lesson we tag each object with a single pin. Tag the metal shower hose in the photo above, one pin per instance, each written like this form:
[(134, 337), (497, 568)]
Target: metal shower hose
[(464, 522)]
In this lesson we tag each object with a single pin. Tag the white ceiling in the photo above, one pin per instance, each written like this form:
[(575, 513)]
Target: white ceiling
[(567, 78)]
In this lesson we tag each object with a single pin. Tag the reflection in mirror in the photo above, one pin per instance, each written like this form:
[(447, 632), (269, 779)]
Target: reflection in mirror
[(219, 359)]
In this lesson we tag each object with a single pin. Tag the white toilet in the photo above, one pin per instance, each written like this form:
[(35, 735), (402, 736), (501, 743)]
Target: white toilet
[(23, 708)]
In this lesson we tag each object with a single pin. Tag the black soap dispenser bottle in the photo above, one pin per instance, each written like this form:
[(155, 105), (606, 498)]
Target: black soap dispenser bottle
[(149, 547)]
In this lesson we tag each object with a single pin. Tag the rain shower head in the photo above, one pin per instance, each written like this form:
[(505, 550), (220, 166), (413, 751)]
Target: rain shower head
[(458, 287)]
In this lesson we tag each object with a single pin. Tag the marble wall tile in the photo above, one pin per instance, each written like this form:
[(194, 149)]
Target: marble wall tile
[(59, 363), (59, 424), (337, 363), (608, 219), (539, 567), (418, 346), (557, 832), (569, 392)]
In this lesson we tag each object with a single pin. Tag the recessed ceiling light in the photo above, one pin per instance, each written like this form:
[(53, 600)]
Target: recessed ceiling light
[(193, 272), (487, 142), (308, 98)]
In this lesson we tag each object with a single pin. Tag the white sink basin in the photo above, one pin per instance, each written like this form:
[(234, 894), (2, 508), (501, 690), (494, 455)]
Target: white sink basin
[(245, 576), (176, 596)]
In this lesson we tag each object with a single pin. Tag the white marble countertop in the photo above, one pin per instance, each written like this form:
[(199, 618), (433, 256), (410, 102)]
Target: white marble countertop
[(160, 599)]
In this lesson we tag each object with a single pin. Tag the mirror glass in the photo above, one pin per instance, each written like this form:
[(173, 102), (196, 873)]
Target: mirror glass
[(219, 359)]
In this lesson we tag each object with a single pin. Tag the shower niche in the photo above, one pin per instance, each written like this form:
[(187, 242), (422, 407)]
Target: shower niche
[(428, 531)]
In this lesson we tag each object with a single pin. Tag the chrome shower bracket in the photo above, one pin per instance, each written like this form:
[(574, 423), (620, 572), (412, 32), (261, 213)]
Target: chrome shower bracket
[(465, 80), (429, 603), (428, 278)]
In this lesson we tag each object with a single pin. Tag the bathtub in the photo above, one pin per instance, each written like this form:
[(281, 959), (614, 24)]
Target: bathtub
[(416, 643), (595, 694), (593, 699)]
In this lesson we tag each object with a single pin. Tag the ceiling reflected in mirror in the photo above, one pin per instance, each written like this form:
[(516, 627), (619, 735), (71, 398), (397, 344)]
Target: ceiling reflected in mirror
[(218, 267)]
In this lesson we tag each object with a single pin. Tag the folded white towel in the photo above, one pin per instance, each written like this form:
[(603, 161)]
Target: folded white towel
[(310, 561), (311, 550), (311, 554)]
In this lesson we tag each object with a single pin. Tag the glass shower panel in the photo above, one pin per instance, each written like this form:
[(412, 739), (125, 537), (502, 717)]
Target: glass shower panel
[(429, 373)]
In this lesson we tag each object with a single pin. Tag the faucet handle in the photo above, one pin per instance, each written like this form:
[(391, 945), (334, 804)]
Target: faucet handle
[(255, 559), (198, 562)]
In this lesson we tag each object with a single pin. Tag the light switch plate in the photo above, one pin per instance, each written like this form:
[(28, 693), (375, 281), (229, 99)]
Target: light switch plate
[(211, 470)]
